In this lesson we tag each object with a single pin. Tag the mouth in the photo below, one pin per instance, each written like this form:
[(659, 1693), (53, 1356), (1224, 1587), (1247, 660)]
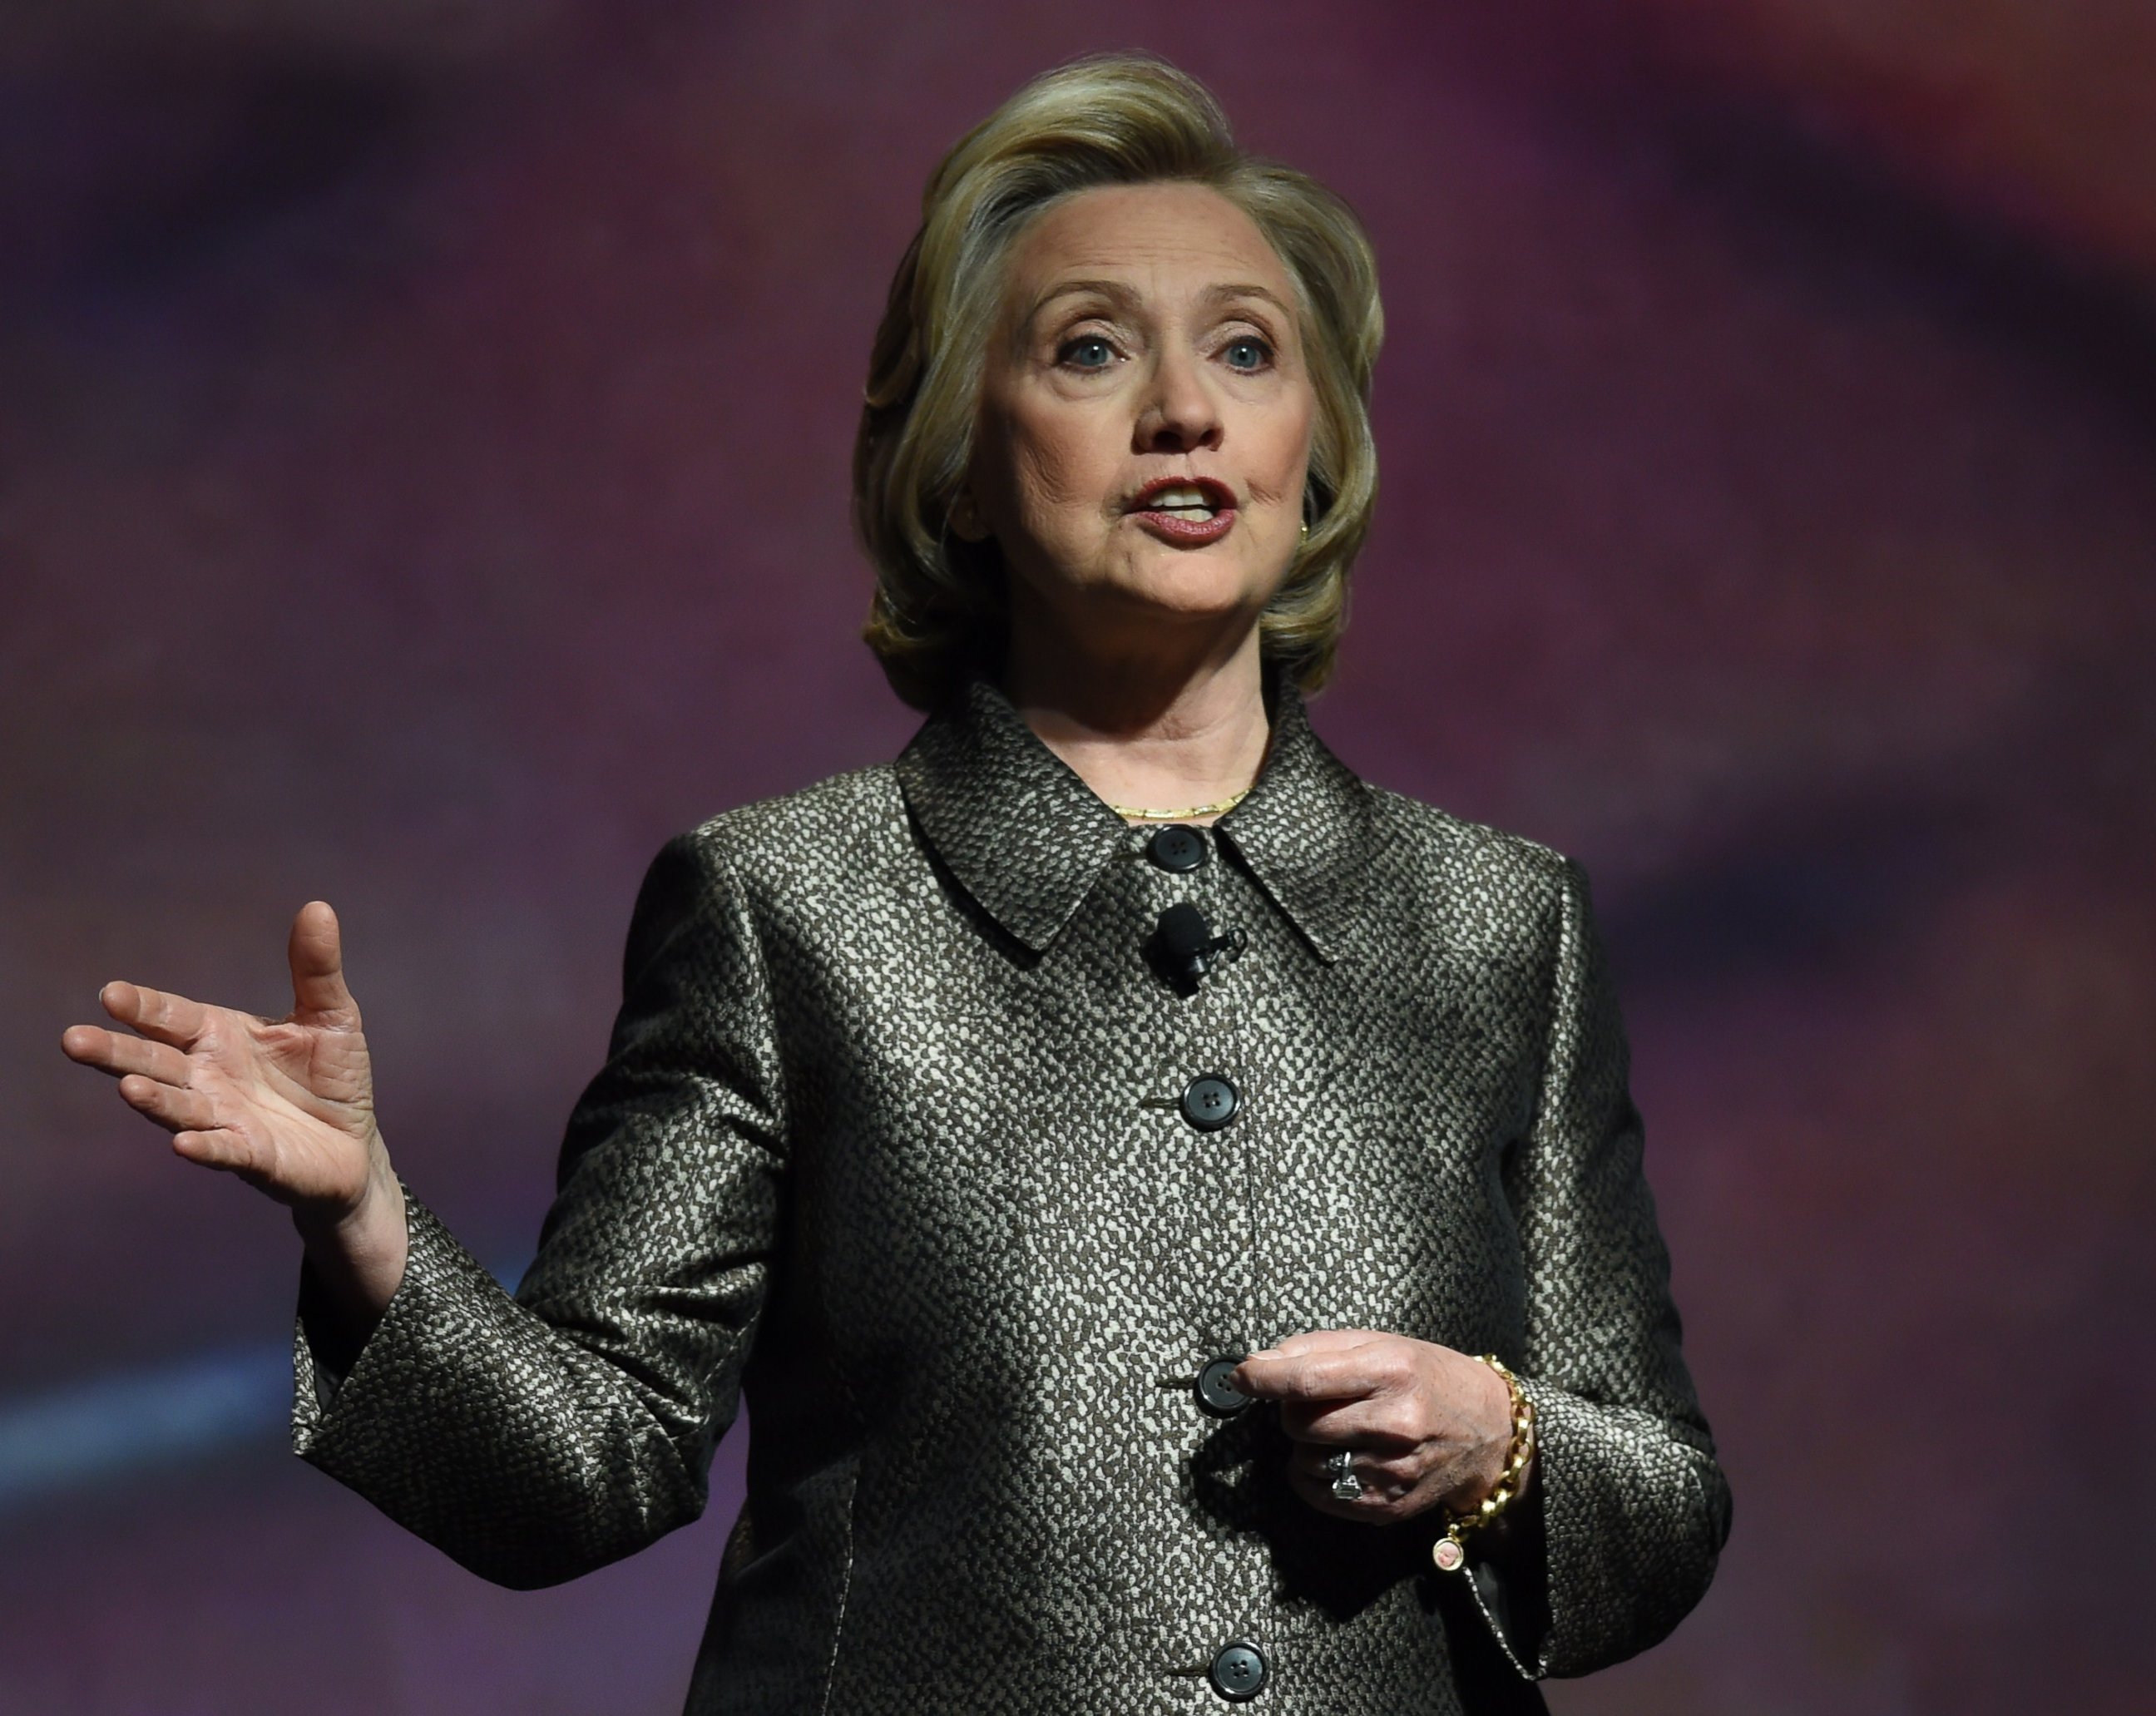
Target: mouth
[(1184, 509), (1191, 497)]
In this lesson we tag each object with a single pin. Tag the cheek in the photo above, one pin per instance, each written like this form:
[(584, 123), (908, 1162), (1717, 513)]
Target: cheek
[(1283, 444), (1062, 465)]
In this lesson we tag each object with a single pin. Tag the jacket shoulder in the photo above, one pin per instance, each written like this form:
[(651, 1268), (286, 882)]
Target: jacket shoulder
[(846, 825), (1458, 868), (861, 801), (1438, 837)]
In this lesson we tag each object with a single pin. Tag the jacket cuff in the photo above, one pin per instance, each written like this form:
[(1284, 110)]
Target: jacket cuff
[(1506, 1575), (338, 1384), (1633, 1514)]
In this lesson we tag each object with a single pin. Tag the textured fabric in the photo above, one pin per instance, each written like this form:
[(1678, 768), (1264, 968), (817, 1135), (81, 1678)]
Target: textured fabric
[(887, 1138)]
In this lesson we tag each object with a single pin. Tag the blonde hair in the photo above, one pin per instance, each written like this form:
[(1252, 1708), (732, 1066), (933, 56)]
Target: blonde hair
[(937, 614)]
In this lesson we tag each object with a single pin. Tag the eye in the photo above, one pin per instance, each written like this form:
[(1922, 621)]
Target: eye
[(1248, 354), (1086, 352)]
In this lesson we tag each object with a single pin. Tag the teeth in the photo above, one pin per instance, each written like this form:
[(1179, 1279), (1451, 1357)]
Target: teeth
[(1170, 499)]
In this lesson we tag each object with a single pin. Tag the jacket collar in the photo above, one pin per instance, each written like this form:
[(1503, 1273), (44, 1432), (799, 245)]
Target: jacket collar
[(1027, 839)]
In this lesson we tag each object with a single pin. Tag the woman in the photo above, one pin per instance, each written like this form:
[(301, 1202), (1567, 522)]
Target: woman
[(1176, 1209)]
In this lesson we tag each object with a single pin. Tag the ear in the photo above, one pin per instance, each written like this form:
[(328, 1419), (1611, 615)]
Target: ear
[(965, 518)]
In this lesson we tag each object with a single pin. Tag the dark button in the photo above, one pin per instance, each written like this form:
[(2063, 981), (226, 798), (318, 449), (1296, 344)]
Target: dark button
[(1238, 1671), (1177, 848), (1209, 1103), (1216, 1393)]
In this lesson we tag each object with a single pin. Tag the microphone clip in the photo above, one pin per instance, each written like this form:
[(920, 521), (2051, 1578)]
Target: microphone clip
[(1183, 948)]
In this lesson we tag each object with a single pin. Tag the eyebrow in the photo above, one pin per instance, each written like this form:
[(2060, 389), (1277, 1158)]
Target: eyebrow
[(1120, 294)]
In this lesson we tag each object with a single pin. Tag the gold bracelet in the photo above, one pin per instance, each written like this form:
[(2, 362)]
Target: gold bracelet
[(1449, 1553)]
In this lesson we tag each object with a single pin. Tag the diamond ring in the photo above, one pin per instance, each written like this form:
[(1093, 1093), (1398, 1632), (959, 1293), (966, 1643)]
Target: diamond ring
[(1341, 1467)]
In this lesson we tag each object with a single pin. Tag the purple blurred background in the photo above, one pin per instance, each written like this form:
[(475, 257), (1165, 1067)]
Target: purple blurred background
[(424, 433)]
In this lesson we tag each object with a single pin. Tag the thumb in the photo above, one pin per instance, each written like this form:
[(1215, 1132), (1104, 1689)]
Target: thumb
[(316, 951)]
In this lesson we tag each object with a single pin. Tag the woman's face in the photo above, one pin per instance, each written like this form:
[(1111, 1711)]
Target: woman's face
[(1146, 414)]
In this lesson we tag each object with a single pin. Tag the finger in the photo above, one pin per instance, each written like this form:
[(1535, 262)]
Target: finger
[(1317, 1492), (1328, 1340), (1361, 1422), (1377, 1502), (110, 1051), (1319, 1340), (171, 1106), (317, 952), (91, 1044), (154, 1013), (218, 1148), (1339, 1373), (1379, 1473)]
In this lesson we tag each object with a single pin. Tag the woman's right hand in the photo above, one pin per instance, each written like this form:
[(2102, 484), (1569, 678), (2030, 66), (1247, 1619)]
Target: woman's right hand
[(287, 1104)]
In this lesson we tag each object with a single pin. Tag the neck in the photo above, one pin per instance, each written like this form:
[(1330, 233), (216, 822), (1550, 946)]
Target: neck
[(1159, 733)]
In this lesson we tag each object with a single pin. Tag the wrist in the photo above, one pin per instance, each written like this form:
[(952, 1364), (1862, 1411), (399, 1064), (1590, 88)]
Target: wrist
[(350, 1221), (1516, 1463), (359, 1250), (1493, 1417)]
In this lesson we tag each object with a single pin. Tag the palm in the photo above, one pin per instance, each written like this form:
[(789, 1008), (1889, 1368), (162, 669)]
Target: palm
[(292, 1100), (287, 1104)]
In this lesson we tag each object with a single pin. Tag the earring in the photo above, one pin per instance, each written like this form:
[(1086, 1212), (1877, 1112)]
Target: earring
[(1306, 529)]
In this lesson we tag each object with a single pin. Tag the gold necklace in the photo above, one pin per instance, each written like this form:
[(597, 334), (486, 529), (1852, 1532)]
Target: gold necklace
[(1133, 813)]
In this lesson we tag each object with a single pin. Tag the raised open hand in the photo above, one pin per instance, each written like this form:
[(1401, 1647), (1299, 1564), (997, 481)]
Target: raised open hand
[(287, 1104)]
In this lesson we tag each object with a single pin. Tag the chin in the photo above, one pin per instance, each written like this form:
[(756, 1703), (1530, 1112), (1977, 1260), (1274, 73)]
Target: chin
[(1162, 585), (1195, 582)]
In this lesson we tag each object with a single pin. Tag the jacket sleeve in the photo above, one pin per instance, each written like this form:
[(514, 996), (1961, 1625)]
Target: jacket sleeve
[(1633, 1508), (537, 1436)]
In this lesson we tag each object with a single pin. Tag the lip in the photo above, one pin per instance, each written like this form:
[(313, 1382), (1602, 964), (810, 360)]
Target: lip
[(1173, 526), (1218, 495)]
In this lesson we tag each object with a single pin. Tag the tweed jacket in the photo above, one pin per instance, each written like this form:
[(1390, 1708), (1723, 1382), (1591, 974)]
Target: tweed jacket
[(895, 1139)]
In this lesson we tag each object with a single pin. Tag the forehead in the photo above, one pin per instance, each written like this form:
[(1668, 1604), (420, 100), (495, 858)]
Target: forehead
[(1169, 238)]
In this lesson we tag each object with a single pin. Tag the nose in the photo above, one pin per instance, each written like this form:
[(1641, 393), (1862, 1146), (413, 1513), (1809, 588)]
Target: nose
[(1177, 413)]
